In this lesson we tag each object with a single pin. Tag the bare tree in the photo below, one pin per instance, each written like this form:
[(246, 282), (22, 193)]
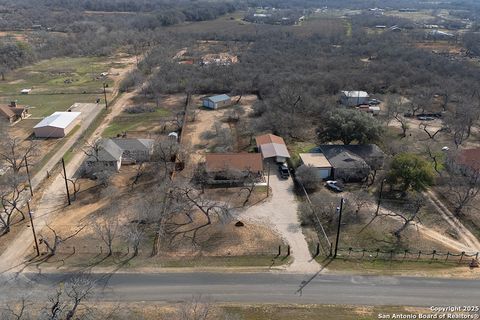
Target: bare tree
[(360, 198), (408, 215), (395, 110), (424, 126), (16, 311), (463, 185), (107, 230), (11, 194), (194, 309), (134, 234), (52, 245), (164, 154)]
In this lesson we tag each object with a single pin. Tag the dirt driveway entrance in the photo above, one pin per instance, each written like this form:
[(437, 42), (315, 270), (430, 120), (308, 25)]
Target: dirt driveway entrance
[(281, 214)]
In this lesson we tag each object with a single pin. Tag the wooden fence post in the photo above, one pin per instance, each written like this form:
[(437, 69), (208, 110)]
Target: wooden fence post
[(363, 253), (279, 251), (317, 252), (433, 254), (448, 253), (391, 254), (288, 251), (461, 257), (378, 250), (349, 251), (405, 254), (419, 254)]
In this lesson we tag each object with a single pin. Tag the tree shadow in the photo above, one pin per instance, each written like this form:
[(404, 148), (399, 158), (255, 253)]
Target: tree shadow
[(305, 283)]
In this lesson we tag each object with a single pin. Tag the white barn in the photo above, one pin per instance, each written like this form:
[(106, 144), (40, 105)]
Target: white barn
[(216, 102), (57, 125)]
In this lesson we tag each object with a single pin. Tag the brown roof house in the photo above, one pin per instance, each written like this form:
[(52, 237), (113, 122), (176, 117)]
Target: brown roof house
[(272, 146), (232, 167), (13, 112)]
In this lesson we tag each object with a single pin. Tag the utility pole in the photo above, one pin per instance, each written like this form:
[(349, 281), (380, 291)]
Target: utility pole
[(28, 176), (268, 180), (379, 198), (66, 181), (105, 95), (33, 227), (340, 209)]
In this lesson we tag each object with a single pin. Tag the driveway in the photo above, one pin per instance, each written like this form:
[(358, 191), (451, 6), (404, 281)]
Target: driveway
[(280, 213)]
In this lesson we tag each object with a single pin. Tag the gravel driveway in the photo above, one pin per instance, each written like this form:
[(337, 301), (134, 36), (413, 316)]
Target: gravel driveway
[(280, 212)]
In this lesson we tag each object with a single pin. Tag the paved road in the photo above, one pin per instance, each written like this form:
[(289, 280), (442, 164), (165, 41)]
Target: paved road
[(271, 288)]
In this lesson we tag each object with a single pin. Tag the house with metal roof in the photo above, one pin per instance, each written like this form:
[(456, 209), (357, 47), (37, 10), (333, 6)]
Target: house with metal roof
[(229, 167), (272, 146), (105, 156), (135, 150), (215, 102), (57, 125), (354, 98)]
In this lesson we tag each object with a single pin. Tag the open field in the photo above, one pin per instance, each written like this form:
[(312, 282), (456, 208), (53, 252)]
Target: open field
[(58, 83)]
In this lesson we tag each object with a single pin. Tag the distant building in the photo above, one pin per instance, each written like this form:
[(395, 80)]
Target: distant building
[(58, 125), (13, 112), (319, 162), (354, 98), (272, 146), (215, 102)]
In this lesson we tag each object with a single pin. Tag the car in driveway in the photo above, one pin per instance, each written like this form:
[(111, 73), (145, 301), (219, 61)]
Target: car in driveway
[(283, 170), (374, 102), (334, 185)]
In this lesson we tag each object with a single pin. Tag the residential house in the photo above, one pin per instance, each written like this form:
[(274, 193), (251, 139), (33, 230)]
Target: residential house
[(272, 146), (57, 125), (319, 162), (13, 112), (215, 102), (353, 162), (135, 150), (232, 166), (106, 156), (354, 98)]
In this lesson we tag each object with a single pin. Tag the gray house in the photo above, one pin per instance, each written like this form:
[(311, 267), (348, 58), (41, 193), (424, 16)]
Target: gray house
[(352, 162), (215, 102), (106, 156), (135, 150), (354, 98)]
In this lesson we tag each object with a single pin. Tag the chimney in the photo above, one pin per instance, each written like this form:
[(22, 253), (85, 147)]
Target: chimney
[(13, 104)]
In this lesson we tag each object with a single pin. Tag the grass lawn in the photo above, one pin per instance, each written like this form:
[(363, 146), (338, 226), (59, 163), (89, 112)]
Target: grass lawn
[(315, 312), (395, 267), (57, 83), (127, 122), (297, 148)]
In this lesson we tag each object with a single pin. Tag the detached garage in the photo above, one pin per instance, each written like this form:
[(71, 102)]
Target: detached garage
[(58, 125), (216, 102), (319, 162)]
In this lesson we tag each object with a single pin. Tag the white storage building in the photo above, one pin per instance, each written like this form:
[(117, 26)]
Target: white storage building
[(57, 125), (354, 98)]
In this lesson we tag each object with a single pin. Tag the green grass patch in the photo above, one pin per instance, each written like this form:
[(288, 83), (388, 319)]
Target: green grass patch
[(57, 83), (299, 147), (128, 122)]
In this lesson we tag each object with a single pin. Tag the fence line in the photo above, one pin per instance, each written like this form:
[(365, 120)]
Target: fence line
[(405, 254)]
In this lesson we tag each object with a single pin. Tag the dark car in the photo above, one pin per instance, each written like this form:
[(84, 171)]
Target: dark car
[(334, 186), (283, 170)]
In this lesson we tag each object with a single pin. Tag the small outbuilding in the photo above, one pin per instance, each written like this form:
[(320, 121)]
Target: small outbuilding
[(319, 162), (272, 146), (13, 112), (215, 102), (57, 125), (354, 98)]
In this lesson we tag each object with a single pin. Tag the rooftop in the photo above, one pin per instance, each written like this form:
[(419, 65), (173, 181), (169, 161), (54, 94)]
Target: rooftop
[(134, 144), (58, 120), (217, 162), (317, 160), (219, 98), (272, 146), (356, 94), (107, 151)]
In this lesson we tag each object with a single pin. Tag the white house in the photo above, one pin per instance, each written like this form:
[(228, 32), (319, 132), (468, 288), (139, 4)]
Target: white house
[(57, 125), (354, 98), (215, 102), (319, 162)]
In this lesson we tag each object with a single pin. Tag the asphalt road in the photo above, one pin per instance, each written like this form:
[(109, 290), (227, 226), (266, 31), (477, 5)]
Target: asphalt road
[(267, 288)]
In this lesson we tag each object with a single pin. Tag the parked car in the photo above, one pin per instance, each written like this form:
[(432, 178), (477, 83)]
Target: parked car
[(374, 102), (426, 118), (283, 170), (334, 186)]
